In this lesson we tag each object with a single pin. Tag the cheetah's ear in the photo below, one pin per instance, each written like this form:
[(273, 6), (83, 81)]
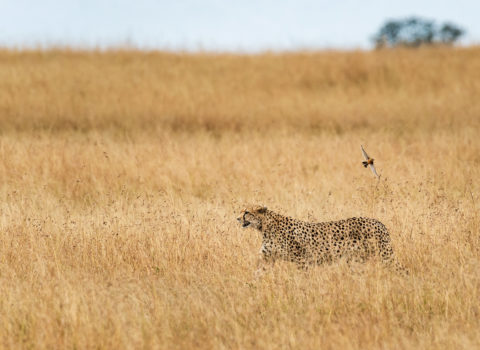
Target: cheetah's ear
[(261, 210)]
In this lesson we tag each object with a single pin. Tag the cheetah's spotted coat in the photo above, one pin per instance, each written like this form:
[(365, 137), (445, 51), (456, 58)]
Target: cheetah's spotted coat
[(316, 243)]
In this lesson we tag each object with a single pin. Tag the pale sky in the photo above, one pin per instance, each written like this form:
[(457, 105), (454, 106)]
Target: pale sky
[(215, 25)]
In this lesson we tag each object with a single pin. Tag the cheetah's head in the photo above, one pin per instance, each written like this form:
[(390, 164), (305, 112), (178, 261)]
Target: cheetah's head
[(252, 217)]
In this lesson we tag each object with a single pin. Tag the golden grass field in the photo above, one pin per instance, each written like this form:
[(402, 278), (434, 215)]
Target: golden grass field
[(122, 174)]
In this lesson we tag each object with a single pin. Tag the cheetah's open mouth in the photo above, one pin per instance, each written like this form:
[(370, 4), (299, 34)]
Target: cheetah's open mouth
[(245, 224)]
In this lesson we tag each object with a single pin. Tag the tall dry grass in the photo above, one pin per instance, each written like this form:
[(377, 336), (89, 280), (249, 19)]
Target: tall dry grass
[(122, 174)]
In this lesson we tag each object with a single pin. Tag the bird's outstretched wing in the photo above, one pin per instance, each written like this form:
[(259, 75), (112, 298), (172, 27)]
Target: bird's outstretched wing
[(372, 168), (365, 154)]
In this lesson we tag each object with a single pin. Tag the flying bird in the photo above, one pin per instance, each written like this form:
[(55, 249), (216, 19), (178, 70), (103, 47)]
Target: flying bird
[(369, 162)]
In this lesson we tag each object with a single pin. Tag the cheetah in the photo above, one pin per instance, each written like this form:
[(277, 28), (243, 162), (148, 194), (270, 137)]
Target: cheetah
[(304, 243)]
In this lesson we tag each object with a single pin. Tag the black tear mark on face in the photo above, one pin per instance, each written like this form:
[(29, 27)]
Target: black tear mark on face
[(245, 222)]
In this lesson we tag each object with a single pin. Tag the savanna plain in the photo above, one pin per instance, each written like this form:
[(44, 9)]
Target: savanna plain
[(122, 173)]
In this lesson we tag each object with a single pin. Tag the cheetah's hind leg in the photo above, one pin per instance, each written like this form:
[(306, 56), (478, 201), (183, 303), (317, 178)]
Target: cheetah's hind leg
[(399, 268), (392, 263), (388, 257)]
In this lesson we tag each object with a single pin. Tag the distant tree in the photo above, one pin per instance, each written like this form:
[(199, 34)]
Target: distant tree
[(449, 33), (414, 31)]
